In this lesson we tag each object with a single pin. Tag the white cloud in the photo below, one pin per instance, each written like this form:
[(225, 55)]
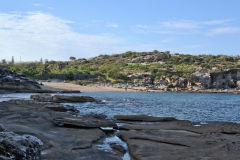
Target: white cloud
[(189, 24), (113, 25), (36, 4), (224, 30), (142, 26), (216, 22), (184, 24), (35, 35), (180, 27)]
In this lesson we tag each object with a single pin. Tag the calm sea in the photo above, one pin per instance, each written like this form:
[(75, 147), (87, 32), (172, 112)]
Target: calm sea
[(186, 106)]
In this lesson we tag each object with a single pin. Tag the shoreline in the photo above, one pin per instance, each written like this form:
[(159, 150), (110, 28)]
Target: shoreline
[(61, 86)]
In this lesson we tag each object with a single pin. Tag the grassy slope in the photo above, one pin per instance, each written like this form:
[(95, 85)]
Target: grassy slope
[(117, 67)]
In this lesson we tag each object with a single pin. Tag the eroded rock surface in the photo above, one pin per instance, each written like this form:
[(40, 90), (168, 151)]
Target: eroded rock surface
[(17, 147), (66, 135), (84, 122), (181, 140), (59, 142), (48, 105)]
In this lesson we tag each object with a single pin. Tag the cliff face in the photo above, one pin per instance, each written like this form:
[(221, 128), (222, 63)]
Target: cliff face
[(225, 79), (13, 81), (228, 79)]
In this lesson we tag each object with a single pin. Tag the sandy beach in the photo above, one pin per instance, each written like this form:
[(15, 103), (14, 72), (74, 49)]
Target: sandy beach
[(89, 88), (61, 86)]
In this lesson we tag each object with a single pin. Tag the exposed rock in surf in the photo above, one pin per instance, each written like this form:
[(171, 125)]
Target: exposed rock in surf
[(143, 118), (62, 98), (118, 148), (42, 97), (72, 99)]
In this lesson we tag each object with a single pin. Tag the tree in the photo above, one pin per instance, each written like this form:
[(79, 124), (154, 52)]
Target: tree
[(12, 60), (72, 58), (155, 51), (4, 61), (45, 61), (41, 61)]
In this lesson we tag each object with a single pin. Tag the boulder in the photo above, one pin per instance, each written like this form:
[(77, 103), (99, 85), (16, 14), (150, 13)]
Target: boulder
[(118, 148), (204, 78), (17, 147)]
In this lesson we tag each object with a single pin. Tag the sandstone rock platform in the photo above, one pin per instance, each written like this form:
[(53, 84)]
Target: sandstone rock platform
[(66, 135)]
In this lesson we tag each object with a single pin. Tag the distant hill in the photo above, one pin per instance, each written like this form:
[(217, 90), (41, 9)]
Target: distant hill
[(142, 68)]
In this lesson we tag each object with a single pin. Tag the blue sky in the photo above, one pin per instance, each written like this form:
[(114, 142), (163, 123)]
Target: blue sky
[(58, 29)]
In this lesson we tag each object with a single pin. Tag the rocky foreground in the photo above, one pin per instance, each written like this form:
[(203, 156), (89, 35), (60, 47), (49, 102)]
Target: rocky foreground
[(11, 82), (45, 129)]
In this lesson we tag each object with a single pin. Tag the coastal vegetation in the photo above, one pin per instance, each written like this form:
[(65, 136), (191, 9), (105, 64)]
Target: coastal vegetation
[(119, 67)]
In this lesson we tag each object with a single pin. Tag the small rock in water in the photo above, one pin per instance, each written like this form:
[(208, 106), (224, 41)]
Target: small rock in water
[(62, 98), (143, 118), (72, 99), (118, 148), (42, 97)]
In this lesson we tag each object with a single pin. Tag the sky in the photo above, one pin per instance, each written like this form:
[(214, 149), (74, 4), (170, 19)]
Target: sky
[(57, 29)]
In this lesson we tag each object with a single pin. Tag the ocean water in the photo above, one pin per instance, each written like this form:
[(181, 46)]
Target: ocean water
[(187, 106)]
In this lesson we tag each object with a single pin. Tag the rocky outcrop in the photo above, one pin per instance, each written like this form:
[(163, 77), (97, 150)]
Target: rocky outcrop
[(17, 147), (60, 142), (61, 98), (72, 99), (171, 82), (13, 81), (67, 136), (86, 121), (225, 79), (42, 97), (46, 105), (201, 79), (177, 140), (204, 78)]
